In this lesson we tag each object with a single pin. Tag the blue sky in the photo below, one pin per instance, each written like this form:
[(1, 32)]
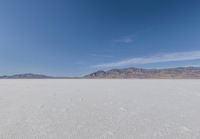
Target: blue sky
[(76, 37)]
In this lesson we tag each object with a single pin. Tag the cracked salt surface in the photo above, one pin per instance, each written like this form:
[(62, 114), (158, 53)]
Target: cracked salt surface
[(99, 109)]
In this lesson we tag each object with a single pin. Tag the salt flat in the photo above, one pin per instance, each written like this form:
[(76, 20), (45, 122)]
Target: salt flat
[(99, 109)]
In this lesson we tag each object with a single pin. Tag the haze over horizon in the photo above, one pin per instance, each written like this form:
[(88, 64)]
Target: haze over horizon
[(74, 37)]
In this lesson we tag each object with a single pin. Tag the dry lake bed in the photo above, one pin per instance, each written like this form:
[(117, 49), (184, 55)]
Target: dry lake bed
[(99, 109)]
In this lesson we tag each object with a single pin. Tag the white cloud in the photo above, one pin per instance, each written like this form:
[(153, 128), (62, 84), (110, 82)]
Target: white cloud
[(126, 39), (169, 57), (101, 55)]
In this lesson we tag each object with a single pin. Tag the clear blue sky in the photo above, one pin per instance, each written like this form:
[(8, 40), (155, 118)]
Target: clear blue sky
[(75, 37)]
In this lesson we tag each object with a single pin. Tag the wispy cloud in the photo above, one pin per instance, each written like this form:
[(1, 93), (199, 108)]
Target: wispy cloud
[(101, 55), (159, 58), (125, 39)]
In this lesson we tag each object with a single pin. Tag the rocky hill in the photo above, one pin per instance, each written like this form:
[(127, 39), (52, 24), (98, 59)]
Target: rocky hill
[(170, 73), (26, 76)]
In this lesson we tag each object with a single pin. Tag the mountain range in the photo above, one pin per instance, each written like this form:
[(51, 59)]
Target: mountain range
[(126, 73), (25, 76), (139, 73)]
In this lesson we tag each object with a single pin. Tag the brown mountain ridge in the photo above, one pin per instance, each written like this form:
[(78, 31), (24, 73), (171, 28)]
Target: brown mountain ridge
[(140, 73)]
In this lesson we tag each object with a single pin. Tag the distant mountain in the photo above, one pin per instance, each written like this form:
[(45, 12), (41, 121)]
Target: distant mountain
[(127, 73), (139, 73), (26, 76)]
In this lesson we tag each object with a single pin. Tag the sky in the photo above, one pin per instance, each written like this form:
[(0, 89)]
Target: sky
[(76, 37)]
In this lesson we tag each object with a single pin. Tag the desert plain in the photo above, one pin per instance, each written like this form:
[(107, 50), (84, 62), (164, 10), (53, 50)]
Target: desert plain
[(99, 109)]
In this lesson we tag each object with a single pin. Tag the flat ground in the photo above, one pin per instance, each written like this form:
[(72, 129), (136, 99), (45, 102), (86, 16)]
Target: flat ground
[(99, 109)]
